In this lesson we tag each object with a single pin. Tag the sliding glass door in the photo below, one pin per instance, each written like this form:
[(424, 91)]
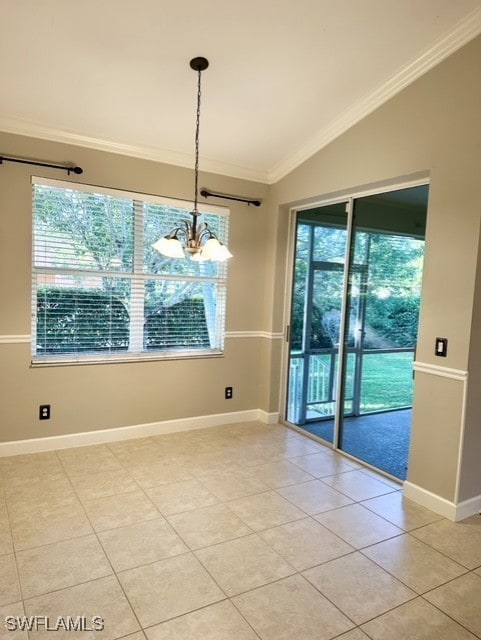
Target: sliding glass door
[(355, 301), (315, 328)]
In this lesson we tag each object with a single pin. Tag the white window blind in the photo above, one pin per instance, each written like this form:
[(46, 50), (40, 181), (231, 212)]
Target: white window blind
[(100, 292)]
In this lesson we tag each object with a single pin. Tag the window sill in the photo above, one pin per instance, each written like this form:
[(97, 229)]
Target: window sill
[(68, 360)]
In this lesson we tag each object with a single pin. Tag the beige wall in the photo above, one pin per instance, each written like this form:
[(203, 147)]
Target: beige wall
[(432, 128), (92, 397), (470, 472)]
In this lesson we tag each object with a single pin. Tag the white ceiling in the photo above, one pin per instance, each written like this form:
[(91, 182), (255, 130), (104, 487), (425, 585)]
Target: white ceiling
[(285, 76)]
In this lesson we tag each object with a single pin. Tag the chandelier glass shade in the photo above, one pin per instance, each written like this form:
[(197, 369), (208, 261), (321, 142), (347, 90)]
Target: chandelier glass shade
[(198, 241), (193, 238)]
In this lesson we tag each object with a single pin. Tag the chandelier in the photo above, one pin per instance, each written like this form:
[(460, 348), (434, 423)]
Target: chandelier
[(194, 238)]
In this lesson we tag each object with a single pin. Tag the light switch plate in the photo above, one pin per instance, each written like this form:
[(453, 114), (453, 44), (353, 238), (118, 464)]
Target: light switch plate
[(441, 347)]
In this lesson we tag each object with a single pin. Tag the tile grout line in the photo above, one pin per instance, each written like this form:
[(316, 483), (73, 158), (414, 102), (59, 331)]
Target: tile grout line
[(458, 622), (255, 532), (188, 552), (229, 598), (361, 550), (105, 554), (14, 552)]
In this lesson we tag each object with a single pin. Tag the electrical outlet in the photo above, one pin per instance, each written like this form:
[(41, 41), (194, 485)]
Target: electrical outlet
[(228, 393), (44, 412)]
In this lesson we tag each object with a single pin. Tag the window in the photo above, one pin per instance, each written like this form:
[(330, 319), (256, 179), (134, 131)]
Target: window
[(101, 293)]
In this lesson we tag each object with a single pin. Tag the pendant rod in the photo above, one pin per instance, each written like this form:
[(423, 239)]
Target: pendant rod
[(197, 64)]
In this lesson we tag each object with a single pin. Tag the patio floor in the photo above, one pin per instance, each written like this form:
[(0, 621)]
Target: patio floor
[(380, 439)]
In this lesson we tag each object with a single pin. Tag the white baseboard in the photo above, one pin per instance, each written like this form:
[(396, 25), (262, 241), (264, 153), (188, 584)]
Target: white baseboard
[(468, 508), (50, 443), (429, 500), (450, 510), (268, 418)]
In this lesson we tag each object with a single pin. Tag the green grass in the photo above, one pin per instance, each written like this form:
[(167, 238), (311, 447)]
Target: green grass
[(387, 381)]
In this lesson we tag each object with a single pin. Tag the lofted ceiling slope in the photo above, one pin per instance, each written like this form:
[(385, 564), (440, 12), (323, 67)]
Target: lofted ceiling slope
[(285, 77)]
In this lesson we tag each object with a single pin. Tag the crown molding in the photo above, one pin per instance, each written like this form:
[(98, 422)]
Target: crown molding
[(463, 32), (21, 127)]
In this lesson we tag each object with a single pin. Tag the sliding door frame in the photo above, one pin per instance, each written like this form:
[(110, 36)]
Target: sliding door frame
[(340, 391), (349, 199)]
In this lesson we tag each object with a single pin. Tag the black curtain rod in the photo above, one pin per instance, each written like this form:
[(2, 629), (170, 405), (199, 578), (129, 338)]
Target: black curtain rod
[(212, 194), (38, 163)]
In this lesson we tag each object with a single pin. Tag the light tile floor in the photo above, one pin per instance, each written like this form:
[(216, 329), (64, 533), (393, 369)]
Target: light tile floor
[(237, 532)]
